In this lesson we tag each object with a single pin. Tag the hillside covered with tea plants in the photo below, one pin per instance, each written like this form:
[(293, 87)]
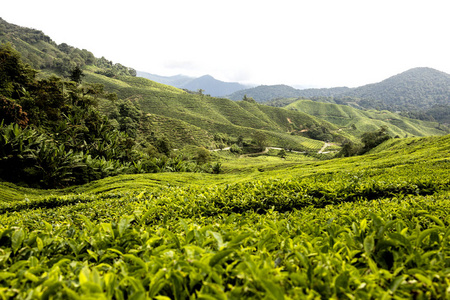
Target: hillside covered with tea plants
[(371, 226), (117, 187)]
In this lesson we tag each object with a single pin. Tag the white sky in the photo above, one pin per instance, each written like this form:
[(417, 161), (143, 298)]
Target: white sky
[(319, 43)]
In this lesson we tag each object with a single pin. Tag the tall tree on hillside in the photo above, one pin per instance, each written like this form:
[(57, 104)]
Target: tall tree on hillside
[(14, 75), (76, 75), (374, 138)]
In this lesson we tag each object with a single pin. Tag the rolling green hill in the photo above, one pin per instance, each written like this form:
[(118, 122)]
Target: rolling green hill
[(423, 93), (267, 93), (215, 115), (355, 121), (374, 226), (208, 84), (414, 89), (183, 117)]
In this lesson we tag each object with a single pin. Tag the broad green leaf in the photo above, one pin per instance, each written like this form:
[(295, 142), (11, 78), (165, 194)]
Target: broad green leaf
[(425, 233), (218, 237), (123, 225), (137, 260), (369, 244), (397, 281), (372, 265), (6, 275), (31, 276), (17, 239), (274, 291), (39, 244), (84, 275), (423, 279), (219, 256), (436, 220)]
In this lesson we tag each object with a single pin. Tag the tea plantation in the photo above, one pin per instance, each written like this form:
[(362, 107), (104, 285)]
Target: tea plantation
[(369, 227)]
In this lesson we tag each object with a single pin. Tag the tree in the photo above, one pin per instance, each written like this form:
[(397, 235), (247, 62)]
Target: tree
[(76, 75), (248, 99), (374, 138), (14, 75), (163, 145), (11, 112), (282, 153), (202, 156), (348, 149), (260, 139)]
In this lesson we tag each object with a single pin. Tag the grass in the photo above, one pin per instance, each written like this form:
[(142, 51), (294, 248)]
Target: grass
[(356, 122)]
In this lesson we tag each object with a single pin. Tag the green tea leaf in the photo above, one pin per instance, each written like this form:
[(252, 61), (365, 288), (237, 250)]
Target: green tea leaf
[(274, 291), (369, 244), (17, 239), (219, 256)]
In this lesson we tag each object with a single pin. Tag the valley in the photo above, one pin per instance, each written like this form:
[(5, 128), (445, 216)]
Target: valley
[(114, 186)]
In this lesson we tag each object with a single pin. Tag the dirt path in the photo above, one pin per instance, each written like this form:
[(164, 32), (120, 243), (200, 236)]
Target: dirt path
[(324, 147)]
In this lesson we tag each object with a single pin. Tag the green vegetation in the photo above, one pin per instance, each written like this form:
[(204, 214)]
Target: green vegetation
[(40, 52), (368, 227), (137, 207), (355, 122), (52, 135), (419, 93)]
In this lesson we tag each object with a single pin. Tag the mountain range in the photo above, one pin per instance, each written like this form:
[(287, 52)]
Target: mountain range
[(148, 108), (422, 92), (208, 84)]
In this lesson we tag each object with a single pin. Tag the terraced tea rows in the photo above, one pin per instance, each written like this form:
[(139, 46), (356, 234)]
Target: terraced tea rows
[(357, 228)]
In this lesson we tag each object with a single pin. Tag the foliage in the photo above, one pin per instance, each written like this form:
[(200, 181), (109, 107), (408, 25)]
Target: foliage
[(366, 228), (39, 51), (373, 139), (235, 149), (12, 112), (52, 135), (354, 122), (348, 149), (282, 153)]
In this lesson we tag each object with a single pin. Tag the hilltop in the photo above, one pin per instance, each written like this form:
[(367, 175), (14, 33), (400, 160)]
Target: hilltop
[(422, 92), (195, 117), (208, 84), (267, 93), (356, 121)]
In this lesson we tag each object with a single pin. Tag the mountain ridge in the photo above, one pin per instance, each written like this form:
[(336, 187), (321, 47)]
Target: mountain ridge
[(207, 83), (416, 89)]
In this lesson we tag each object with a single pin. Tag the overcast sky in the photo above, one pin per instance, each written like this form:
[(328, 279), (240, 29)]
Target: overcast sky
[(321, 43)]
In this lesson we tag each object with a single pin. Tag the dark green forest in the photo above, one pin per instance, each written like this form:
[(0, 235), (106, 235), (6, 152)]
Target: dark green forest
[(53, 135), (420, 93), (69, 118)]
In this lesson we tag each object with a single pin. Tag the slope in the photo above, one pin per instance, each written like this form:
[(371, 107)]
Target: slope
[(208, 84), (356, 121), (414, 89), (423, 91), (374, 227), (201, 115), (234, 118)]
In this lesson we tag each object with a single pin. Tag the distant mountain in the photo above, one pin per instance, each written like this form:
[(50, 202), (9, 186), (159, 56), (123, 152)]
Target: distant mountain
[(265, 93), (424, 92), (176, 81), (418, 88), (207, 83)]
